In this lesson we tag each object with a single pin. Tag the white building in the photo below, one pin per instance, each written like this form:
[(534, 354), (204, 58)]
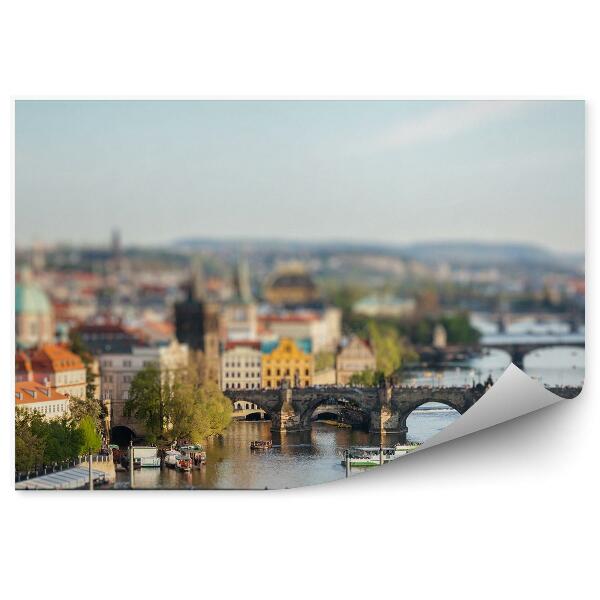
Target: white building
[(35, 397), (241, 366)]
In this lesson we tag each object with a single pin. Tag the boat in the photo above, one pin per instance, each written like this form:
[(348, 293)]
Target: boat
[(195, 452), (184, 463), (261, 444), (370, 456), (146, 456), (171, 457)]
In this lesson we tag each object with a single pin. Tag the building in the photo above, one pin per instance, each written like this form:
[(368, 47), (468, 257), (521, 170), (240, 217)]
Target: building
[(34, 315), (287, 360), (101, 336), (117, 371), (354, 356), (36, 397), (197, 326), (241, 366), (440, 337), (321, 326), (291, 285), (54, 366), (239, 316)]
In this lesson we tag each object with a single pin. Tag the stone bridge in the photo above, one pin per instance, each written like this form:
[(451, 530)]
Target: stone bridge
[(381, 410), (519, 349)]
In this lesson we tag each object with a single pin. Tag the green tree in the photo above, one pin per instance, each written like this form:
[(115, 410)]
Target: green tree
[(147, 400), (196, 412), (90, 438), (29, 447), (390, 348)]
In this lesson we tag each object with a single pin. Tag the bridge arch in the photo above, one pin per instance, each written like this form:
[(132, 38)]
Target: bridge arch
[(122, 435), (407, 411), (344, 410)]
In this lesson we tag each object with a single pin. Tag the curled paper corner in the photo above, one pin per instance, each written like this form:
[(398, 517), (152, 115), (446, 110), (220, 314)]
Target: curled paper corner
[(514, 394)]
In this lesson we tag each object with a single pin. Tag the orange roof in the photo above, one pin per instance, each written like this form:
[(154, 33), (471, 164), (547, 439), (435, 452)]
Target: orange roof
[(22, 362), (27, 392), (55, 357)]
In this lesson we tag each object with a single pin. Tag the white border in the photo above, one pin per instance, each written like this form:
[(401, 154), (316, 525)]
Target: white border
[(502, 513)]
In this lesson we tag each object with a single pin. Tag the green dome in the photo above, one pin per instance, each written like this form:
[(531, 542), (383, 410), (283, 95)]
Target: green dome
[(30, 299)]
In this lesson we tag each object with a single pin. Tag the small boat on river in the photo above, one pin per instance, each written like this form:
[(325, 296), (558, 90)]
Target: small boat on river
[(371, 456), (261, 445)]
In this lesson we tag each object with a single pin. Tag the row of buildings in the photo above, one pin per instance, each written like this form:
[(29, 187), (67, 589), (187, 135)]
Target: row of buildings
[(237, 344)]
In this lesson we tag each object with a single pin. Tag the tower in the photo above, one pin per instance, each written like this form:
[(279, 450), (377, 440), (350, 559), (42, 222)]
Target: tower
[(197, 325)]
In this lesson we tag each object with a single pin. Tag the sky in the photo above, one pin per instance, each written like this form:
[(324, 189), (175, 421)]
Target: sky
[(368, 171)]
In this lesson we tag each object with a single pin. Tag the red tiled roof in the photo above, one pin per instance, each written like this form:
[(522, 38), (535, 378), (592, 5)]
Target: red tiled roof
[(242, 343), (27, 392), (55, 357)]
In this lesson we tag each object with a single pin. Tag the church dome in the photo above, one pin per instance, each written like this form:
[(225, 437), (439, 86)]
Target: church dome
[(30, 299)]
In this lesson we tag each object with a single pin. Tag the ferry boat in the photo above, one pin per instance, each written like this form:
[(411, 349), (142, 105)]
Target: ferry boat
[(369, 456), (261, 444)]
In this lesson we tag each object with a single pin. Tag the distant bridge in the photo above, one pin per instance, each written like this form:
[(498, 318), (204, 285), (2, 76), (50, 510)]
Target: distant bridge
[(380, 409), (516, 346)]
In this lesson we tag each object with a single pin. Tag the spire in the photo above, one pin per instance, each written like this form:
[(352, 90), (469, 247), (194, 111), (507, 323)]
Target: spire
[(241, 282), (197, 287)]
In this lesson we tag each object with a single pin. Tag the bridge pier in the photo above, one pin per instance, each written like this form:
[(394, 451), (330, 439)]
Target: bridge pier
[(286, 418)]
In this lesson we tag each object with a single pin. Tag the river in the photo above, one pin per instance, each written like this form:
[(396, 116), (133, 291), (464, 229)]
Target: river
[(313, 457)]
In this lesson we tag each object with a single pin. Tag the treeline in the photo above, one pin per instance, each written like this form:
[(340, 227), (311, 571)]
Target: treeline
[(40, 442), (177, 406), (419, 331)]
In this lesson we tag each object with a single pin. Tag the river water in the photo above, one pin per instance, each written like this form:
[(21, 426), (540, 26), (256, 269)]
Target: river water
[(313, 457)]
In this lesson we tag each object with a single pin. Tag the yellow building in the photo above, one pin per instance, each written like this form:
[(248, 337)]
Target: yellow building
[(289, 360)]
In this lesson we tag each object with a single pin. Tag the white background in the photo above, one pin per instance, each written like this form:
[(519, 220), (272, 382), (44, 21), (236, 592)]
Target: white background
[(510, 512)]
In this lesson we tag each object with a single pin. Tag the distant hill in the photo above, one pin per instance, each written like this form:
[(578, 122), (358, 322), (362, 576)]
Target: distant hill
[(473, 254)]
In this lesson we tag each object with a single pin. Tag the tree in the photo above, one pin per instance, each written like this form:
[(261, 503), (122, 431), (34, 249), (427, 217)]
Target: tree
[(324, 360), (176, 405), (90, 438), (147, 400), (196, 412), (29, 448), (390, 349)]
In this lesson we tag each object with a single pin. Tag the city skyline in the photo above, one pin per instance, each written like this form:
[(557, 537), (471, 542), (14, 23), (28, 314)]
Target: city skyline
[(385, 172)]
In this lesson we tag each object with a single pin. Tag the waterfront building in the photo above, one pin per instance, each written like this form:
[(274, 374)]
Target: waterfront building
[(241, 366), (287, 360), (385, 306), (54, 366), (34, 315), (36, 397), (117, 371), (354, 356), (291, 285)]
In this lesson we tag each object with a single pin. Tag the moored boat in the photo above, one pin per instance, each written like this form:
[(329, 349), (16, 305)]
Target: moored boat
[(184, 463), (195, 452), (261, 444), (171, 457)]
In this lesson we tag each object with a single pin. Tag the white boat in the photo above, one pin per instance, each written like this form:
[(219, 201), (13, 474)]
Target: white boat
[(371, 456), (146, 456), (171, 458)]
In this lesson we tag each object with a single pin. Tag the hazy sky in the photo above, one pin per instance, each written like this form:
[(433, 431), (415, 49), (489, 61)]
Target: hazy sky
[(393, 171)]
